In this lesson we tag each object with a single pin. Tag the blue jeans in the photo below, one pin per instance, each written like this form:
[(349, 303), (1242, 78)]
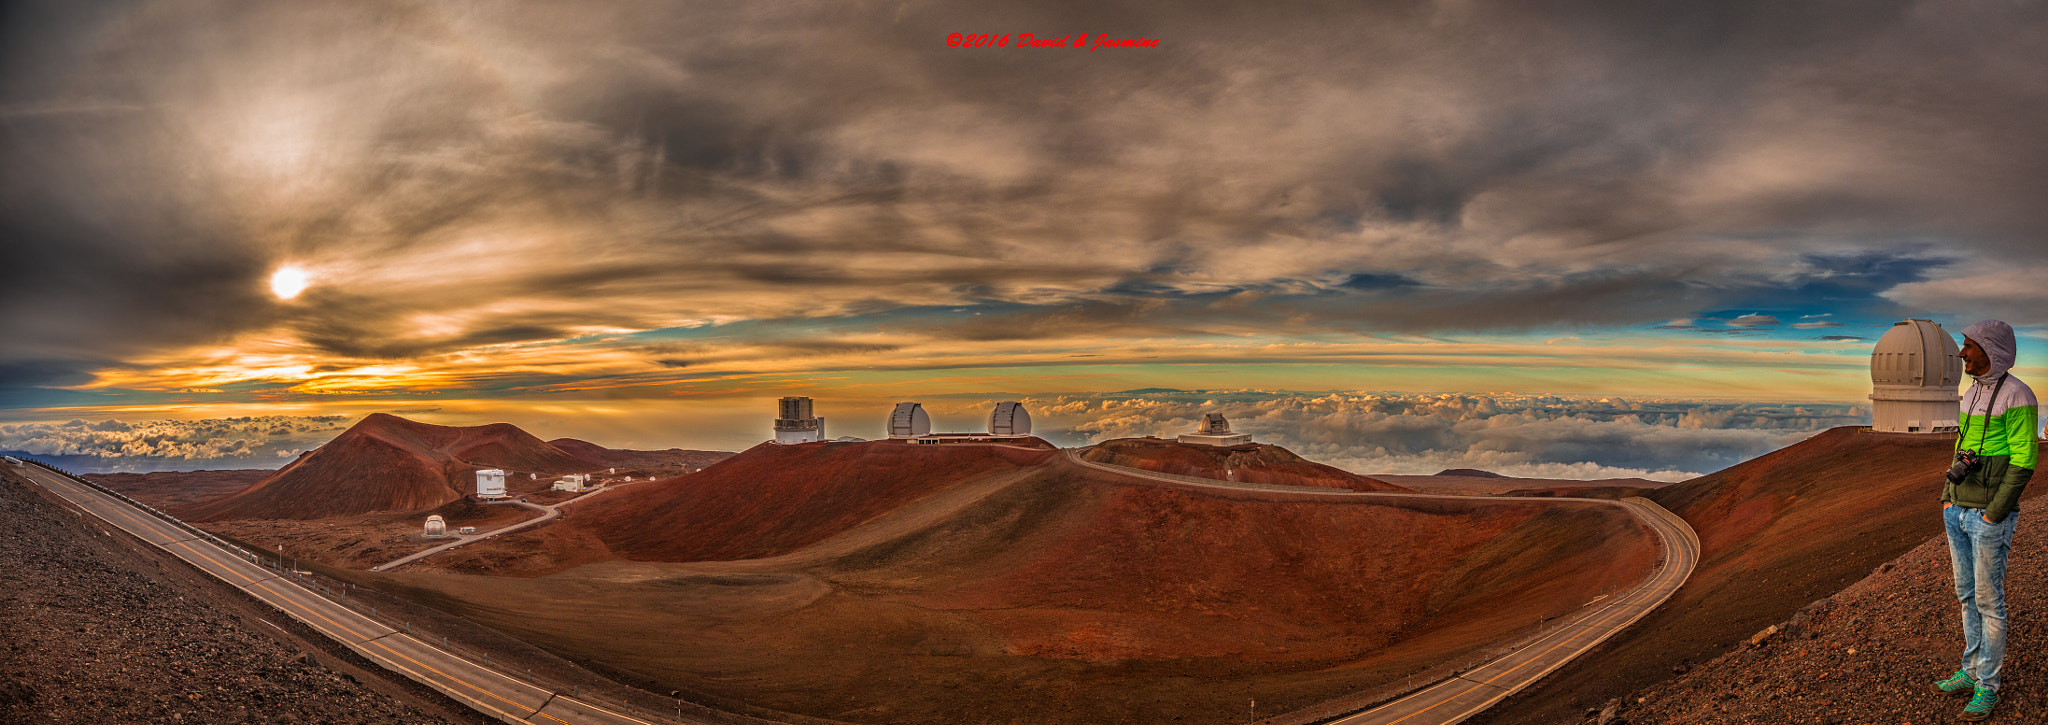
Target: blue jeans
[(1976, 554)]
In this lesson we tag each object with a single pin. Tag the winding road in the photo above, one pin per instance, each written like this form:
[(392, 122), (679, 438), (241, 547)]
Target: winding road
[(1466, 694), (549, 512), (517, 701)]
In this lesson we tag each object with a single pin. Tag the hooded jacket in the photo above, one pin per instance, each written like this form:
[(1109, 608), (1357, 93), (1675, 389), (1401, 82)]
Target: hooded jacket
[(2002, 431)]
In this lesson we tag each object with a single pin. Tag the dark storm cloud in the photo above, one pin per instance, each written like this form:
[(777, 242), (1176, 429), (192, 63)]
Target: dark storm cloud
[(454, 178)]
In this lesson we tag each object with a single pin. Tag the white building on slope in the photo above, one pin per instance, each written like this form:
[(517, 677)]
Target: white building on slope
[(490, 483), (1008, 422), (1215, 431), (794, 422)]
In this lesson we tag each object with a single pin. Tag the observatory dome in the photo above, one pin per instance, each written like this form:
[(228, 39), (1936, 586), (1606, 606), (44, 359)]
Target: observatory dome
[(909, 420), (1914, 372), (1009, 419)]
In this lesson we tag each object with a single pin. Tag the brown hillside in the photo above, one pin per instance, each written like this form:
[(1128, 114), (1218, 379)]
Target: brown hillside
[(773, 499), (597, 455), (388, 463), (170, 489), (913, 584), (1865, 654), (1250, 463), (1776, 533)]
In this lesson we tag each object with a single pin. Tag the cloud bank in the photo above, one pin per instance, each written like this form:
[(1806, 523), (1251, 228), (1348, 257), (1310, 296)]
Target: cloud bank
[(166, 445), (1572, 437), (1540, 436)]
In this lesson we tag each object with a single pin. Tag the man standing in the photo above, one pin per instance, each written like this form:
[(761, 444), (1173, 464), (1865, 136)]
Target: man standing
[(1980, 505)]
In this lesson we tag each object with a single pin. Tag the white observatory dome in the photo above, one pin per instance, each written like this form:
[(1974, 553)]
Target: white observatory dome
[(1009, 419), (1914, 373), (909, 420)]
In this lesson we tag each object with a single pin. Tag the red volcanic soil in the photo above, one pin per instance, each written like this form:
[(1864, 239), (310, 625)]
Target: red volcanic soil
[(773, 499), (1249, 463), (164, 490), (673, 458), (388, 463), (1776, 533), (1866, 653), (366, 540), (883, 582)]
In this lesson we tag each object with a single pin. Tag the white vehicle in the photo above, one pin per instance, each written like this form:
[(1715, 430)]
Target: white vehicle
[(12, 461)]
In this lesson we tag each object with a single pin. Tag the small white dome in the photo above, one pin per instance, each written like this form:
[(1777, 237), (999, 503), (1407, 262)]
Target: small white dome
[(1009, 419), (1916, 353)]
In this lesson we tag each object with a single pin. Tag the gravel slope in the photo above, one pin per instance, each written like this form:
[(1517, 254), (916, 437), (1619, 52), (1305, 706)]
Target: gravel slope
[(99, 630), (1867, 654)]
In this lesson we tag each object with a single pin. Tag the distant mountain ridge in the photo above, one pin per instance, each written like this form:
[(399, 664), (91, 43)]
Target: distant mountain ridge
[(619, 458), (1469, 473)]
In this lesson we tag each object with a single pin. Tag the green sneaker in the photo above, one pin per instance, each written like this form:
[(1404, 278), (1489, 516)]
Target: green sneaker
[(1956, 684), (1980, 705)]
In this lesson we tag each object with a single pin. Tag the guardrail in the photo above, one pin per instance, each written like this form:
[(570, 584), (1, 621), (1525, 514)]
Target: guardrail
[(167, 518), (598, 693), (1674, 519)]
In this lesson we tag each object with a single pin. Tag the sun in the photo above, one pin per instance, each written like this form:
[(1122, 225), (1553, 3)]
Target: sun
[(288, 281)]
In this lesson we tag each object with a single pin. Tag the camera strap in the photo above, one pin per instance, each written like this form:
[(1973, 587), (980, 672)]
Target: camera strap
[(1985, 431)]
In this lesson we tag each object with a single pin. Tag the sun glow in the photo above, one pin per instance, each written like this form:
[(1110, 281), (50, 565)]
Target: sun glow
[(288, 281)]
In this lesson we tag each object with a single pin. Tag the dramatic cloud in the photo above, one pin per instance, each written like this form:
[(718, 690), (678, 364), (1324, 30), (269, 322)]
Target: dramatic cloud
[(158, 445), (255, 201), (1519, 435)]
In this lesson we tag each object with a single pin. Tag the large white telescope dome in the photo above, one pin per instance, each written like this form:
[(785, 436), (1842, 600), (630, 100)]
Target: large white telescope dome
[(1009, 419), (1914, 373), (909, 420)]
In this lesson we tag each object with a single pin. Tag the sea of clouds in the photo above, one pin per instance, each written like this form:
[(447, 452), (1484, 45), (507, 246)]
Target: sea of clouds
[(1540, 436), (171, 445)]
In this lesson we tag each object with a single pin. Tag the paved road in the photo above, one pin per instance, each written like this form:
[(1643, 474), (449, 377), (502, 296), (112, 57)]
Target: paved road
[(547, 513), (1466, 694), (488, 691), (516, 701)]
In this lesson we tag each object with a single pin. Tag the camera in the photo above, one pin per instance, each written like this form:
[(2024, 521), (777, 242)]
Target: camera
[(1966, 461)]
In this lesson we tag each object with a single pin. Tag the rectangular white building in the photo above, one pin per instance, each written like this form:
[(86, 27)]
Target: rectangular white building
[(490, 483)]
